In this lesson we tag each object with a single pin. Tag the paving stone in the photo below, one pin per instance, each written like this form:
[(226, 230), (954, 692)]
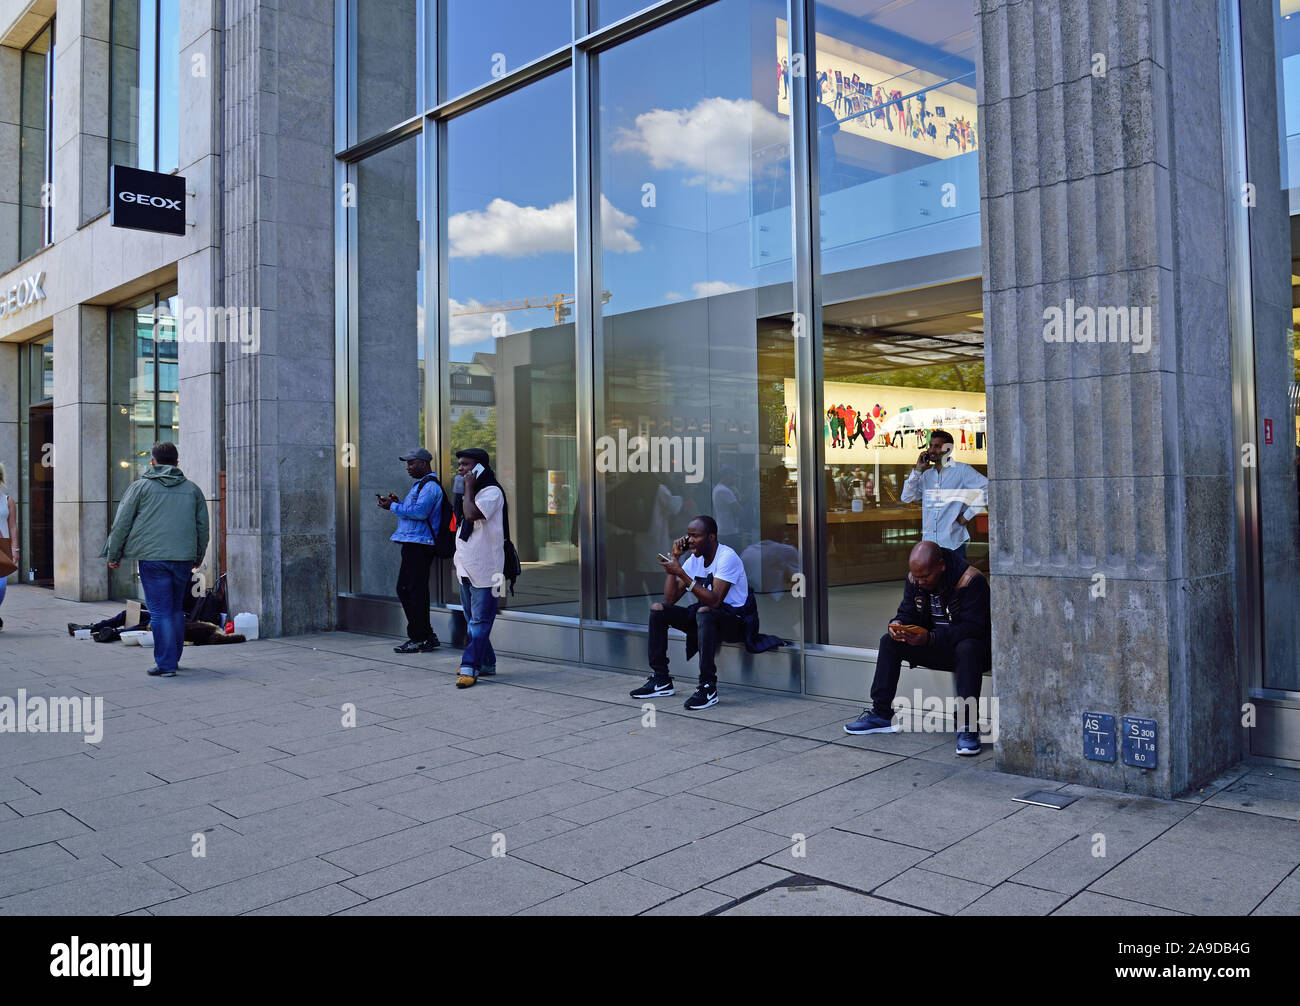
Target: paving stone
[(792, 778), (539, 803), (376, 853), (1091, 903), (257, 891), (499, 886), (517, 836), (850, 860), (617, 894), (747, 881), (1075, 865), (104, 893), (34, 857), (39, 829), (1262, 795), (818, 900), (1015, 899), (607, 806), (708, 859), (1283, 899), (141, 841), (634, 836), (61, 872), (698, 902), (323, 901), (932, 891), (479, 790), (410, 872), (996, 852)]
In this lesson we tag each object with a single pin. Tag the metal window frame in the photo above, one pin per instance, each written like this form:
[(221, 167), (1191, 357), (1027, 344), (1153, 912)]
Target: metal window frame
[(47, 111)]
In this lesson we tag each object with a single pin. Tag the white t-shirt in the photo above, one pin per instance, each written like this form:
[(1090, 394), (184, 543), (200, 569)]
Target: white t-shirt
[(726, 566), (483, 556), (724, 503)]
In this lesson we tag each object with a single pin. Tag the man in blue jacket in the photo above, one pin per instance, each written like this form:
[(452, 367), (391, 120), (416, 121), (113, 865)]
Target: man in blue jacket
[(417, 515), (943, 622)]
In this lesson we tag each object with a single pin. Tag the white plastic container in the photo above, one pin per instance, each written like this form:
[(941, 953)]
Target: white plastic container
[(857, 505), (134, 638), (146, 639), (246, 624), (81, 633)]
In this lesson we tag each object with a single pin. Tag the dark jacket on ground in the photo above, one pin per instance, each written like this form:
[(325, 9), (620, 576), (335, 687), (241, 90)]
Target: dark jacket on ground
[(755, 641), (967, 603)]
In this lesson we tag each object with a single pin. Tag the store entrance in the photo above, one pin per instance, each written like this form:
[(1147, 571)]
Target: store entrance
[(38, 559)]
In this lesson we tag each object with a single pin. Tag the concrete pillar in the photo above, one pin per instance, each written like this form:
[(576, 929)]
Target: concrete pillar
[(9, 428), (80, 447), (80, 115), (10, 114), (278, 256), (1111, 471)]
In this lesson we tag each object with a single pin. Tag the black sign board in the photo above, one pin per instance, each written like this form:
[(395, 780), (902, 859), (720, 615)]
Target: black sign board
[(147, 200), (1099, 736), (1139, 742)]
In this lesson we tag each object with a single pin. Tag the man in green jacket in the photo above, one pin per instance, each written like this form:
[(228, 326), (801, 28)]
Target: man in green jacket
[(163, 522)]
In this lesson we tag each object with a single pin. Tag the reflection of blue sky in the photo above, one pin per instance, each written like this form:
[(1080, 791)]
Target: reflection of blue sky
[(680, 109)]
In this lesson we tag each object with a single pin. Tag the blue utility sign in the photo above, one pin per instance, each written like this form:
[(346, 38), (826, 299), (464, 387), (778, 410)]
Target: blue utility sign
[(1099, 736), (1139, 742)]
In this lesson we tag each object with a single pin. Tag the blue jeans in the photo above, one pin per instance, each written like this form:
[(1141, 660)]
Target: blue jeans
[(4, 585), (480, 606), (165, 584)]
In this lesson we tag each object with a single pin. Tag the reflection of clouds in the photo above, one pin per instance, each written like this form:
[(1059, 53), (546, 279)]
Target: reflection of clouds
[(714, 287), (713, 140), (470, 328), (673, 295), (513, 231)]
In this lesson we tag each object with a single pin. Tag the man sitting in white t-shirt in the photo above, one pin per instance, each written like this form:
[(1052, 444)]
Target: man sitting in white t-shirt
[(715, 576)]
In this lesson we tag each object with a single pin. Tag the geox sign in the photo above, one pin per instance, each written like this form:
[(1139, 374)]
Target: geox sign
[(148, 200), (25, 294)]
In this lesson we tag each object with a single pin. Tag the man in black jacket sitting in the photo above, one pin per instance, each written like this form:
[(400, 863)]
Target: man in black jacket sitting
[(943, 623)]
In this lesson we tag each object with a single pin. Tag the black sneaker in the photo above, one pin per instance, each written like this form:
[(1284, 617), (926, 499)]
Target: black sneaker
[(705, 696), (653, 689), (159, 673), (430, 644), (415, 646)]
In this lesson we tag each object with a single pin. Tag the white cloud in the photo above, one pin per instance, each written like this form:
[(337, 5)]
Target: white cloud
[(713, 141), (509, 230), (714, 287), (672, 295), (467, 329)]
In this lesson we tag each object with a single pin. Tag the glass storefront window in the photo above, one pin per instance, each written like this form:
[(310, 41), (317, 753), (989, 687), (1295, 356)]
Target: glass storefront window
[(486, 39), (143, 400), (144, 68), (903, 349), (696, 328), (509, 231), (385, 37), (35, 160), (390, 386), (36, 462), (605, 12)]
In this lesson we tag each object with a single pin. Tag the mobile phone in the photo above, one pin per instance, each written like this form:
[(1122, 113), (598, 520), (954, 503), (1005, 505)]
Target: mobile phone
[(663, 558), (478, 470)]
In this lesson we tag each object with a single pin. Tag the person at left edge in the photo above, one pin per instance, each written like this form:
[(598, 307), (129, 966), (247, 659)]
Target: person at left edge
[(415, 533), (163, 522)]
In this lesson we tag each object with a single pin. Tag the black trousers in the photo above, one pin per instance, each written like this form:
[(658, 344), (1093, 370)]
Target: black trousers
[(413, 589), (970, 659), (708, 626)]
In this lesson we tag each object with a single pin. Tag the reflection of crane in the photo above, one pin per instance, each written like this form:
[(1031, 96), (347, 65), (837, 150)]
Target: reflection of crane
[(560, 303)]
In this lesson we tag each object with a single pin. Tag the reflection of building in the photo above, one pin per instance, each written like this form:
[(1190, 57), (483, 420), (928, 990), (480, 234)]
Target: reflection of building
[(472, 389)]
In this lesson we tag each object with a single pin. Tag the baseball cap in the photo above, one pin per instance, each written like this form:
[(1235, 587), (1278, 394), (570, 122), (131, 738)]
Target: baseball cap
[(419, 454)]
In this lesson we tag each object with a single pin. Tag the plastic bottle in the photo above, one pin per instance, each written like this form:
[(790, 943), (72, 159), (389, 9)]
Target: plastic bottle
[(246, 624)]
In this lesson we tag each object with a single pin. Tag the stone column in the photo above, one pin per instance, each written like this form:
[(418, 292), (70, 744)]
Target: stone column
[(278, 258), (80, 114), (81, 447), (10, 115), (1111, 468)]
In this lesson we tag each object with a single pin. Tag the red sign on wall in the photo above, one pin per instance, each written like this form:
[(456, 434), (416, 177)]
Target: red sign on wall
[(1268, 431)]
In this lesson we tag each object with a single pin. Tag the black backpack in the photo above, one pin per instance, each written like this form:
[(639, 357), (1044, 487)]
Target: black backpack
[(444, 535)]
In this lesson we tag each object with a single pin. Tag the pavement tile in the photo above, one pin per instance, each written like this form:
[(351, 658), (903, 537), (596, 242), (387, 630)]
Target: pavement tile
[(747, 881), (617, 842), (1091, 903), (930, 818), (409, 872), (538, 803), (697, 902), (794, 777), (376, 853), (710, 858), (847, 859), (455, 796), (1015, 899), (1005, 847), (1283, 899), (818, 900), (516, 837), (104, 893), (49, 826), (932, 891), (498, 886), (607, 806), (1269, 795), (322, 901), (617, 894), (54, 874), (257, 891)]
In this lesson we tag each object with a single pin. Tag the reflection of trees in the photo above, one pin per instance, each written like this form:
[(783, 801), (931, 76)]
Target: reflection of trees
[(953, 377), (468, 432)]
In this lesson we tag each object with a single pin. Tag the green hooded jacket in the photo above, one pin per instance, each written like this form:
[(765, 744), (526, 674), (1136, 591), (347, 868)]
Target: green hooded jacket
[(162, 518)]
